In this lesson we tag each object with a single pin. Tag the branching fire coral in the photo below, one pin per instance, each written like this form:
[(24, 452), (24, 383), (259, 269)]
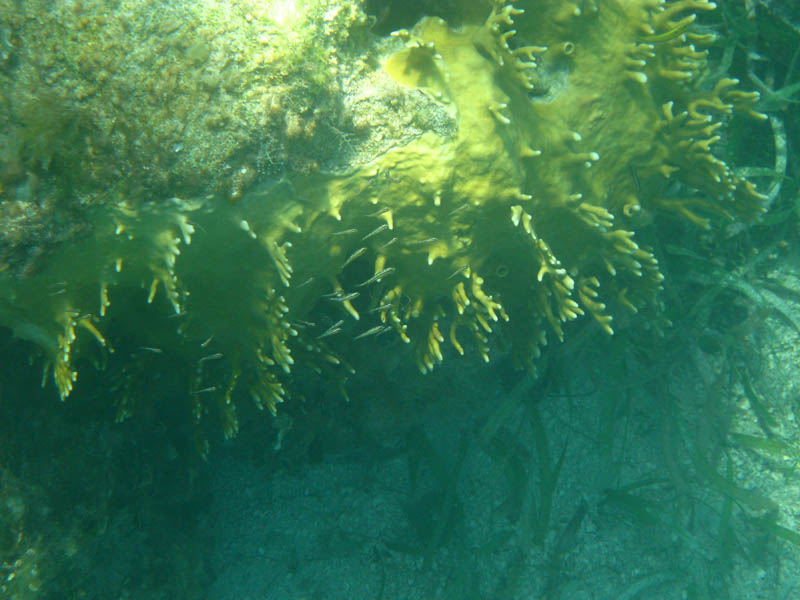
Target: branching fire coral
[(570, 121)]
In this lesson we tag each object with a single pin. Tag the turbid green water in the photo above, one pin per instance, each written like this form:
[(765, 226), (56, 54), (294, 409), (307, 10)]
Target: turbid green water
[(384, 300)]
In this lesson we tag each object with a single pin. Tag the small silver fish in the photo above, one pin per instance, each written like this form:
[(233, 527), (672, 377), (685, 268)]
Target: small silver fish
[(378, 276), (345, 298), (380, 308), (375, 231), (387, 244), (210, 357), (457, 271), (354, 256), (423, 242), (345, 232), (207, 390), (333, 329), (380, 211), (377, 330), (306, 282)]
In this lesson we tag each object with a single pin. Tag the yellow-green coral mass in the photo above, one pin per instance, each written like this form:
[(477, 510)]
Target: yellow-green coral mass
[(537, 140)]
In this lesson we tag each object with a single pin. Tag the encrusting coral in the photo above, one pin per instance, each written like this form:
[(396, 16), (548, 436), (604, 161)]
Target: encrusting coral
[(571, 119)]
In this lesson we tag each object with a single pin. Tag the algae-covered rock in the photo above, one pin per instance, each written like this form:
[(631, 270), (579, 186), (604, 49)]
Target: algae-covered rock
[(176, 97), (260, 186)]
